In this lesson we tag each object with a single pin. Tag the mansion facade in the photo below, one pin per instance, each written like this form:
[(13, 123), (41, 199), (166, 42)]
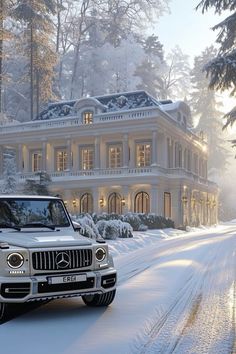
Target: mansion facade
[(118, 153)]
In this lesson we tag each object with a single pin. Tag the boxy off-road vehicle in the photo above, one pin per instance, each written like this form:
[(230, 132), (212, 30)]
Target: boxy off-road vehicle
[(43, 256)]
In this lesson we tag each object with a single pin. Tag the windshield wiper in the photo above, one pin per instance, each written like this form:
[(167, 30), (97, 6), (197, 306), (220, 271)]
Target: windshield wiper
[(38, 224), (9, 226)]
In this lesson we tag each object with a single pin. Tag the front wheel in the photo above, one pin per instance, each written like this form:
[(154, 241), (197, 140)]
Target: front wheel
[(99, 299)]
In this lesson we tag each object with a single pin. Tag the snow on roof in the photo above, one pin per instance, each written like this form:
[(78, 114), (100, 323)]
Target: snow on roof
[(110, 103)]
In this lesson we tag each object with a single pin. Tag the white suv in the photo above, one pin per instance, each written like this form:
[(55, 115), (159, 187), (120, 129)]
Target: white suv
[(43, 256)]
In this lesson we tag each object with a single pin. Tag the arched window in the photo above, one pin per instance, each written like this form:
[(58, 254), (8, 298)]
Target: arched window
[(142, 203), (86, 203), (88, 117), (114, 203)]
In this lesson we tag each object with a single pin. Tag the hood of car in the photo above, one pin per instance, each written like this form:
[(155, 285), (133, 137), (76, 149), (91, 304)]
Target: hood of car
[(31, 238)]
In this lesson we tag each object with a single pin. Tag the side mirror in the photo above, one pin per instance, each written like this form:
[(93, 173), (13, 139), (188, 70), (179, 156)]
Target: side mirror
[(77, 226)]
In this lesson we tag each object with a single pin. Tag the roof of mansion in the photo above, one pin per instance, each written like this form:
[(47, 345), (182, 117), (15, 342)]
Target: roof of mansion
[(108, 103)]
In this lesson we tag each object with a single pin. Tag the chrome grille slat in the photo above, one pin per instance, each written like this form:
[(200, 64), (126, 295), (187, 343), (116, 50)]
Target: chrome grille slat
[(46, 260)]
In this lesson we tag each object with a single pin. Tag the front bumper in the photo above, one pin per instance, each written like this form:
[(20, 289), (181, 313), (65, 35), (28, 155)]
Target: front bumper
[(25, 289)]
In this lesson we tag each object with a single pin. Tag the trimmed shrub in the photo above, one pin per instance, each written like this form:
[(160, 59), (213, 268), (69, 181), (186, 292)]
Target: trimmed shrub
[(111, 229), (133, 219)]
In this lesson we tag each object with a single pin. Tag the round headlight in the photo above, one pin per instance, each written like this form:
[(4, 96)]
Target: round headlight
[(100, 254), (15, 260)]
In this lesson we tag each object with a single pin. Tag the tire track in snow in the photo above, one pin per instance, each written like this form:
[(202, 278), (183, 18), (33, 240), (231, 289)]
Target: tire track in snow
[(177, 317)]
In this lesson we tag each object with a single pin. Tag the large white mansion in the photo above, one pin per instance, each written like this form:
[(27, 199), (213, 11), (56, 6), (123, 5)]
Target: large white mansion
[(118, 153)]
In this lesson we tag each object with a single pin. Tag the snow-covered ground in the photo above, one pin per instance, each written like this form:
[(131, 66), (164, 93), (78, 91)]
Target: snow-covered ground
[(176, 294)]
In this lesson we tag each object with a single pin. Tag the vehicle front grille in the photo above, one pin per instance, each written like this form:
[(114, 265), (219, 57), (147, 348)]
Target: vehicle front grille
[(62, 260)]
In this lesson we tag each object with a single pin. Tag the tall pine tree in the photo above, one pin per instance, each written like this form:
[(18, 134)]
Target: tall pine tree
[(207, 114), (221, 69), (36, 15)]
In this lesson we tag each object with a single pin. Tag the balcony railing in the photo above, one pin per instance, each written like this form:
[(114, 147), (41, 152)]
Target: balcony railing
[(74, 121), (172, 173)]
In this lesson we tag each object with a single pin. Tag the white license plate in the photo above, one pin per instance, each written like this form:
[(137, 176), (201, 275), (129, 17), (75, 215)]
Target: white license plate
[(67, 279)]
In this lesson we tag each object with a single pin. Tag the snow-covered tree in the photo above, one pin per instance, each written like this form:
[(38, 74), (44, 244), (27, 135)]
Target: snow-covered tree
[(221, 69), (36, 44), (38, 186), (206, 113), (149, 70), (9, 184), (175, 83)]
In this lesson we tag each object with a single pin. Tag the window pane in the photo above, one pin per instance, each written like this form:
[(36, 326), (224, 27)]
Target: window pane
[(114, 153), (61, 160), (143, 154), (87, 158), (36, 161), (88, 117)]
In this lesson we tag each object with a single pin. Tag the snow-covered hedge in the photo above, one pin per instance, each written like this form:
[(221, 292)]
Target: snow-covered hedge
[(111, 226), (108, 229), (111, 229)]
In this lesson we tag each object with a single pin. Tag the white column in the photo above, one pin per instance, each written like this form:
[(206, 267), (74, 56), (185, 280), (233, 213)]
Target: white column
[(44, 156), (68, 154), (20, 158), (96, 206), (155, 208), (154, 148), (1, 160), (97, 152), (126, 196), (125, 150)]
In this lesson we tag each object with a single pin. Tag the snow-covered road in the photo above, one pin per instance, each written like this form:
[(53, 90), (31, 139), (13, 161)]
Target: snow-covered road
[(175, 295)]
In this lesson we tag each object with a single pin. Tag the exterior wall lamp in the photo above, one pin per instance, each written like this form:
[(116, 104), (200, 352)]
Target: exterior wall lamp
[(123, 201), (74, 203), (101, 202), (184, 199)]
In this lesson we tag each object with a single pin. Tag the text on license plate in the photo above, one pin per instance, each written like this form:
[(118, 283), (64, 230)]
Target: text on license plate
[(67, 279)]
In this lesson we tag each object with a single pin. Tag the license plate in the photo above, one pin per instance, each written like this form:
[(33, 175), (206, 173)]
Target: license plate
[(67, 279)]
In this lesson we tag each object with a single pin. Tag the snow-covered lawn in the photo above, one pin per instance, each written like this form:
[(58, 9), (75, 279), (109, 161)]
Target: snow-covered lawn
[(176, 294)]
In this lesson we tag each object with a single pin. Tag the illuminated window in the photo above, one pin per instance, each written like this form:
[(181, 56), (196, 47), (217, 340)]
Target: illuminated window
[(114, 156), (87, 117), (142, 203), (143, 154), (61, 160), (86, 203), (36, 161), (87, 157), (114, 204), (167, 205)]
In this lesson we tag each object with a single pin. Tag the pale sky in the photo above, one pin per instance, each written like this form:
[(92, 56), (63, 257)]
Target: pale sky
[(188, 28)]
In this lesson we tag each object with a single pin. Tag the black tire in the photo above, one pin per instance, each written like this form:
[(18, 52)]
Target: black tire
[(3, 311), (99, 299)]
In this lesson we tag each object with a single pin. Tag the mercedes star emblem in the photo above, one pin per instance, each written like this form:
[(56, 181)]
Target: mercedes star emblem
[(62, 260)]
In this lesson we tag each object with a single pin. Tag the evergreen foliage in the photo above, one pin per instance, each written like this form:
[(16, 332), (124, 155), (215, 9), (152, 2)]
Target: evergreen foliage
[(38, 186), (37, 48), (221, 69), (206, 113), (9, 185)]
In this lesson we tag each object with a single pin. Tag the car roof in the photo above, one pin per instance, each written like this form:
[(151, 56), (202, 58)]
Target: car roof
[(11, 196)]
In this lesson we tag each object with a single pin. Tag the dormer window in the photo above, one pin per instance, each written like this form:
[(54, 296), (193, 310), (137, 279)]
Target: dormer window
[(88, 117)]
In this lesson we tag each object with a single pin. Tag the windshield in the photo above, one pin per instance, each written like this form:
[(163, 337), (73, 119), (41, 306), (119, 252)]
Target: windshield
[(20, 212)]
